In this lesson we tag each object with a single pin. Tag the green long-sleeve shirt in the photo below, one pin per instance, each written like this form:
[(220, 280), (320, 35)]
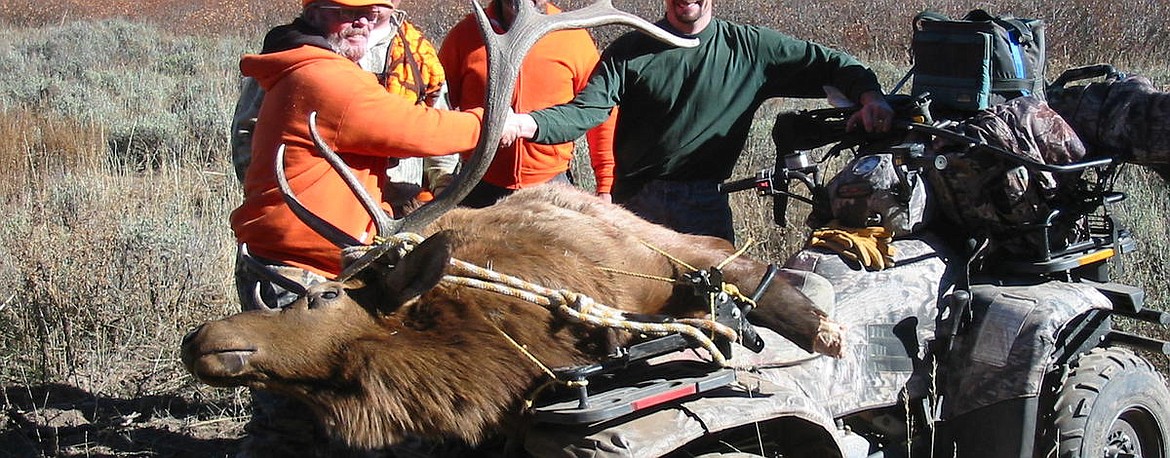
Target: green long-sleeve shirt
[(685, 112)]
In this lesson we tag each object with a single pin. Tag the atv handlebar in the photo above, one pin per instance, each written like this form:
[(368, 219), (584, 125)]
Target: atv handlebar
[(796, 134)]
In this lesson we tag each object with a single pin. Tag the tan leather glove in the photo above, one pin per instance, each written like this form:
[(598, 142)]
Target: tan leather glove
[(869, 246)]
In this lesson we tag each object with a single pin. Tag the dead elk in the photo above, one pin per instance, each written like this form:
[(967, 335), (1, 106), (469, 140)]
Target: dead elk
[(397, 351)]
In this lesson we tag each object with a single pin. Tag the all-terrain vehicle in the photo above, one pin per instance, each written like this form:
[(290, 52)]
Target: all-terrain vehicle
[(973, 344)]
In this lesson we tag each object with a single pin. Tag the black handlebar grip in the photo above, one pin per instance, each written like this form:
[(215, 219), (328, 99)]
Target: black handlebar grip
[(737, 185)]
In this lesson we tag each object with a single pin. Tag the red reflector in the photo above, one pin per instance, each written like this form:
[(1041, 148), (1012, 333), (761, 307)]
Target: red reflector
[(663, 397)]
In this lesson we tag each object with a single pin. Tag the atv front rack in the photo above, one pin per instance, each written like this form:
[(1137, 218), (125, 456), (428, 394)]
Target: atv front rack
[(627, 381), (631, 390), (1099, 236)]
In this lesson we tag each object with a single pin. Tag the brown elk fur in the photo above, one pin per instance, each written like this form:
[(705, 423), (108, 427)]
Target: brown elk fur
[(395, 352)]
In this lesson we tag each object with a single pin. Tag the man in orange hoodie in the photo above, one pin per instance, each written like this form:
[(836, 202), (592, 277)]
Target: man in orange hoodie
[(310, 66), (301, 73), (558, 66), (407, 64)]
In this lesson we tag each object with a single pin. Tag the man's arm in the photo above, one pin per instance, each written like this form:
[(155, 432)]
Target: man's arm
[(591, 107), (801, 68), (601, 159), (600, 138)]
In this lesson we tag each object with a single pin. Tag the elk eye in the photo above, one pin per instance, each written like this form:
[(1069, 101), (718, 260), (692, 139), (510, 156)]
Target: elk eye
[(322, 298)]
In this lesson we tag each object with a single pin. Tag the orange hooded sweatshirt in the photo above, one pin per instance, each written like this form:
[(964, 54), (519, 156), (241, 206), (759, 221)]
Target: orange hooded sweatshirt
[(360, 120), (558, 66)]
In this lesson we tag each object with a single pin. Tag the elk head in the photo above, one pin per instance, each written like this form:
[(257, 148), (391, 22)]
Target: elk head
[(302, 341), (386, 354)]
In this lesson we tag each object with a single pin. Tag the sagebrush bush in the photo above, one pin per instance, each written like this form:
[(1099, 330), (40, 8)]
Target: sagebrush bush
[(154, 94), (112, 268)]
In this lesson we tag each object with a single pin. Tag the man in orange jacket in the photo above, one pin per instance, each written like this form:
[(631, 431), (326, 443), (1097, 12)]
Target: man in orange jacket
[(554, 70), (301, 73), (407, 64), (306, 66)]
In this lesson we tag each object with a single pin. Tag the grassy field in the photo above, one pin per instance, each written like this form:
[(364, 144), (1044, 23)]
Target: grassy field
[(116, 191)]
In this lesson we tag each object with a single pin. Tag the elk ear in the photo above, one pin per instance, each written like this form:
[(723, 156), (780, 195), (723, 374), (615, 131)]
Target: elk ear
[(417, 272)]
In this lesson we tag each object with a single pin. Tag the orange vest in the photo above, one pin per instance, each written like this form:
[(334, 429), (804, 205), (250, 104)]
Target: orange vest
[(412, 66), (558, 66)]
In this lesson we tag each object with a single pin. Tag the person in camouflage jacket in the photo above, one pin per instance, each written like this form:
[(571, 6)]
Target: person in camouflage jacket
[(1124, 116)]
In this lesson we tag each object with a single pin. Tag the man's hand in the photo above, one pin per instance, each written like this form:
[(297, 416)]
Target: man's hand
[(875, 114), (518, 125), (607, 197), (439, 184)]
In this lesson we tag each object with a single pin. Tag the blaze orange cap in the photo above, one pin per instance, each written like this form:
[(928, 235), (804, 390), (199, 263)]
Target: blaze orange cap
[(352, 2)]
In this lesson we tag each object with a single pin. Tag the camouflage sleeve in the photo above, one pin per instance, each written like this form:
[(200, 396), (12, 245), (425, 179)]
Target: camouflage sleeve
[(243, 123)]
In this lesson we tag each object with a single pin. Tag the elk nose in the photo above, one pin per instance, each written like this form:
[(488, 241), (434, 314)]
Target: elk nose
[(191, 335)]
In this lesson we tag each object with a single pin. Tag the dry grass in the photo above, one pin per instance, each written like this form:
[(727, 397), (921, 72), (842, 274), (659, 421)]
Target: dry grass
[(117, 188), (42, 148)]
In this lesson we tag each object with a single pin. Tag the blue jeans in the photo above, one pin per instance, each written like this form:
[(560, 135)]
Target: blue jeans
[(690, 207)]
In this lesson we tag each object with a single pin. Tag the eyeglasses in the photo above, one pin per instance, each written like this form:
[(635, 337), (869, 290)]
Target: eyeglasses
[(348, 14)]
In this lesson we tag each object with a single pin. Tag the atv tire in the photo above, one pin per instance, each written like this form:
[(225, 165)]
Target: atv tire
[(1112, 404)]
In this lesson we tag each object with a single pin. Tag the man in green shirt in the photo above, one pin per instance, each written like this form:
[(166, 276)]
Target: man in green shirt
[(685, 112)]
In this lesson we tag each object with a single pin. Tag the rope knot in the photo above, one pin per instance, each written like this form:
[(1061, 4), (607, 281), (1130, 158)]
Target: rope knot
[(579, 302)]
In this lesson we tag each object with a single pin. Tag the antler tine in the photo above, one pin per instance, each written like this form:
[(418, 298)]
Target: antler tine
[(601, 12), (382, 221), (505, 52), (326, 229)]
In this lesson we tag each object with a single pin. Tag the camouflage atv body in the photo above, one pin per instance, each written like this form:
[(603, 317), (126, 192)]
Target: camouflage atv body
[(800, 403)]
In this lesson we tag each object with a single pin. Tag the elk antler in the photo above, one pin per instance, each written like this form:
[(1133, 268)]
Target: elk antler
[(505, 53), (325, 228)]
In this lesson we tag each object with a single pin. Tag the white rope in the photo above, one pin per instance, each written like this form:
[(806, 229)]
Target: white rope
[(575, 306)]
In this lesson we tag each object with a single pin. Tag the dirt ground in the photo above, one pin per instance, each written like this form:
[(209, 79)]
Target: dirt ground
[(64, 421)]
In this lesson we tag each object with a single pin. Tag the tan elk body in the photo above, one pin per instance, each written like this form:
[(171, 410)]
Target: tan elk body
[(377, 361), (394, 349)]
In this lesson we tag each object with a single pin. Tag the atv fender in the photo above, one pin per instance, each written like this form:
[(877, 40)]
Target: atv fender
[(871, 304), (1012, 341)]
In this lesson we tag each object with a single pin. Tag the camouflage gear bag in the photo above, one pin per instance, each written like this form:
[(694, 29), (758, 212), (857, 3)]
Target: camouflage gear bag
[(1123, 116), (872, 190), (991, 195)]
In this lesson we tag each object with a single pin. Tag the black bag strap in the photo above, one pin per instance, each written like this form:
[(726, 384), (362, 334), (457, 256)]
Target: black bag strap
[(1021, 30)]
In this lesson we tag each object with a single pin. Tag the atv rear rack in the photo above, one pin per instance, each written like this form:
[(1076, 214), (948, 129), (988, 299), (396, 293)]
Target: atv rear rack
[(627, 381)]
